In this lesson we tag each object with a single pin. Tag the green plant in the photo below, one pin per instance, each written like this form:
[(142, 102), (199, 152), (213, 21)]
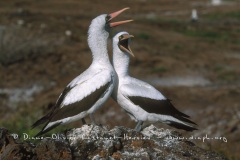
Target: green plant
[(161, 69), (143, 36)]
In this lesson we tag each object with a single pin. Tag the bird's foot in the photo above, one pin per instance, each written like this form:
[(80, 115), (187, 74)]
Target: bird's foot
[(93, 123), (138, 127), (83, 121)]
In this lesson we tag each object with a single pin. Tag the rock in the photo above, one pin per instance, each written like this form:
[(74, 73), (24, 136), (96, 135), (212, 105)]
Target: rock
[(53, 149), (95, 142), (11, 149), (100, 142), (47, 149)]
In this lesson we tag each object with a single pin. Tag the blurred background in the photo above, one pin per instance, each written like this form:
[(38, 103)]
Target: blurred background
[(188, 49)]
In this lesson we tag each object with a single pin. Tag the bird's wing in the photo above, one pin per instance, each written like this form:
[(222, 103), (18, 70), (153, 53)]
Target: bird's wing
[(135, 87), (82, 96), (83, 78), (78, 96), (148, 98)]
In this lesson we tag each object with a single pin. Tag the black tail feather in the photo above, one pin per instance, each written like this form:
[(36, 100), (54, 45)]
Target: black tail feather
[(184, 119), (174, 110), (188, 126), (182, 126), (40, 121), (45, 118), (48, 129)]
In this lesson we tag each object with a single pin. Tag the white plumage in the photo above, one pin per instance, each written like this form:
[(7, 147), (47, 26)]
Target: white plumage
[(140, 100), (87, 92)]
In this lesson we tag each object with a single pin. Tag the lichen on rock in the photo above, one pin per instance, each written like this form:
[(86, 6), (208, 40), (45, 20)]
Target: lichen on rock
[(100, 142)]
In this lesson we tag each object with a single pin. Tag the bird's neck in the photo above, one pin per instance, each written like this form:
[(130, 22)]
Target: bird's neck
[(97, 41), (120, 62)]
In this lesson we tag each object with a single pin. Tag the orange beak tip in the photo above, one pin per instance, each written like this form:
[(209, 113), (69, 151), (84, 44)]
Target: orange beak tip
[(115, 14), (114, 24)]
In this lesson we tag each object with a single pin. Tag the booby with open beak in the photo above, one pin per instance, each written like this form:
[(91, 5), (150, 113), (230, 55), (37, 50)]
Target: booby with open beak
[(87, 92), (140, 100)]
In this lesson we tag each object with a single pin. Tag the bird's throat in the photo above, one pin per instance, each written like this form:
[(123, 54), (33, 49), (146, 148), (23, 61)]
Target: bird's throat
[(97, 41)]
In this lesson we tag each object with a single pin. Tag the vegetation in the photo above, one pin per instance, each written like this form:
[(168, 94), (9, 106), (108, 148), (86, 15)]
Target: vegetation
[(159, 69), (219, 16), (209, 27), (20, 121), (143, 36)]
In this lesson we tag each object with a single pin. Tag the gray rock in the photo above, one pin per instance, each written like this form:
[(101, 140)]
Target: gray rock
[(102, 143), (47, 149), (95, 142)]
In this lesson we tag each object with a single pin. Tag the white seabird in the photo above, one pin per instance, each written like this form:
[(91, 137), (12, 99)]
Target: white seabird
[(140, 100), (194, 15), (87, 92)]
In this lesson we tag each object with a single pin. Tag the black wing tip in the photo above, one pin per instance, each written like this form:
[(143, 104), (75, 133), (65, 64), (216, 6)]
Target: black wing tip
[(38, 134), (182, 126), (187, 126), (44, 119), (176, 110), (193, 123), (44, 130), (37, 123), (191, 129), (188, 121), (40, 121)]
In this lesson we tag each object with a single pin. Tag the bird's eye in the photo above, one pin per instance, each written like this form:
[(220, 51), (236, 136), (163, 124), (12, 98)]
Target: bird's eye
[(107, 18), (120, 37)]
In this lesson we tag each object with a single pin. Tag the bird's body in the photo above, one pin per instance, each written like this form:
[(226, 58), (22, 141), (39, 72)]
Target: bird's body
[(194, 15), (139, 99), (84, 95), (87, 92)]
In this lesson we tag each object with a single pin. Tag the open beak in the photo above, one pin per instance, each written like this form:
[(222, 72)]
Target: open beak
[(115, 14), (124, 44)]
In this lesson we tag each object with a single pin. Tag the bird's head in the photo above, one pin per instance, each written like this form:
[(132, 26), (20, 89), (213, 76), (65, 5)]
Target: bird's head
[(104, 21), (122, 40)]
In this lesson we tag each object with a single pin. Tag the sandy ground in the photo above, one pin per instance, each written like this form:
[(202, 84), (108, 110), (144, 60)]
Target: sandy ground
[(195, 64)]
